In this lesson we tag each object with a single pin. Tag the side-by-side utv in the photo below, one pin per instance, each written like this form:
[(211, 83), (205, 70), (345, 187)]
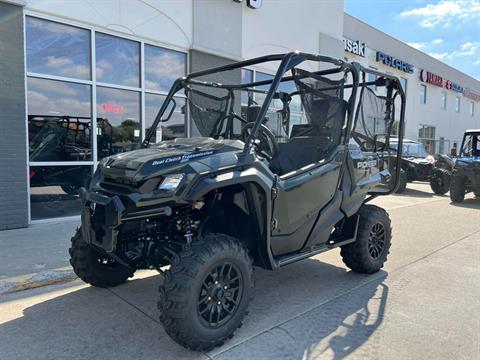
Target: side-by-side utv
[(466, 172), (419, 165), (272, 177)]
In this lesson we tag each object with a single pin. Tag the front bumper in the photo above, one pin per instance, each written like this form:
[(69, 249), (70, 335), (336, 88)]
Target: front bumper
[(114, 215), (113, 208)]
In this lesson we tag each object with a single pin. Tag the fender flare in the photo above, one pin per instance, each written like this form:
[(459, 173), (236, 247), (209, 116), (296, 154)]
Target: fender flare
[(238, 176)]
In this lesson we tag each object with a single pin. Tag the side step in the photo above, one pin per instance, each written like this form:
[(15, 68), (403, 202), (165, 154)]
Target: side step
[(317, 249)]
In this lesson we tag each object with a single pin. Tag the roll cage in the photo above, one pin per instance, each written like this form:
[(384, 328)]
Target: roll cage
[(289, 63)]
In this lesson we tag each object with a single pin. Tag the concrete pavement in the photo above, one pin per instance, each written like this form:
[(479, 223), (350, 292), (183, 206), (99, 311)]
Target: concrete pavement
[(425, 303)]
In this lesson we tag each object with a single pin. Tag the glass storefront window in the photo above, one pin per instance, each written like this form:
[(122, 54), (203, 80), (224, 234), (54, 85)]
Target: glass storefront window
[(118, 60), (423, 94), (457, 104), (260, 76), (443, 100), (54, 190), (51, 97), (247, 77), (163, 67), (174, 127), (57, 49), (119, 109), (60, 126), (403, 82), (59, 121)]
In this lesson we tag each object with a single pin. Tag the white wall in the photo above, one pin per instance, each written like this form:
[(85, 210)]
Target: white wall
[(284, 26), (167, 22), (221, 27)]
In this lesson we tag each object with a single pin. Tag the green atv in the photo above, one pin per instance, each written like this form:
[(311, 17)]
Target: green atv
[(278, 175), (466, 172)]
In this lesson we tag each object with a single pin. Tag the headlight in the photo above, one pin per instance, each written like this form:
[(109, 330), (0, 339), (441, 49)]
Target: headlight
[(171, 182)]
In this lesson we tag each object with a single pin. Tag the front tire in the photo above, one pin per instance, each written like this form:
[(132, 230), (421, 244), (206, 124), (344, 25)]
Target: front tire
[(440, 181), (457, 188), (206, 292), (369, 252), (93, 267)]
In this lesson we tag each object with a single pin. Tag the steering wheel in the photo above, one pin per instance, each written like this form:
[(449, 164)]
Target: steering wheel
[(366, 144), (267, 145)]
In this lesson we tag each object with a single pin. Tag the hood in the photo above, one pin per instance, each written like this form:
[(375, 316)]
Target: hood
[(468, 160), (168, 154)]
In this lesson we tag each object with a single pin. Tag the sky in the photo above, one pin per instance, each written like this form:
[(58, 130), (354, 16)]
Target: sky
[(448, 30)]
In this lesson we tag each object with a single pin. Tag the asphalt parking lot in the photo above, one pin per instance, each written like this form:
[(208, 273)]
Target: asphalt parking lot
[(424, 304)]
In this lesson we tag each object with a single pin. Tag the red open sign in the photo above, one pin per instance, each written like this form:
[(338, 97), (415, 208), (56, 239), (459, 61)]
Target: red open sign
[(112, 108)]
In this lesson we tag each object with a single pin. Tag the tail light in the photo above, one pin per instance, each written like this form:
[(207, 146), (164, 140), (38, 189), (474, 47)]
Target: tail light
[(32, 173)]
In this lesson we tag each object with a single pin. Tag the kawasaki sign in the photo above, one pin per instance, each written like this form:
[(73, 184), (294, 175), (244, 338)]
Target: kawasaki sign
[(355, 47)]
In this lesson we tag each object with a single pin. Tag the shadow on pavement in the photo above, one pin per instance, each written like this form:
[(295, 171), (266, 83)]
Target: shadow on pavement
[(468, 203), (350, 320), (419, 194), (122, 323), (331, 328)]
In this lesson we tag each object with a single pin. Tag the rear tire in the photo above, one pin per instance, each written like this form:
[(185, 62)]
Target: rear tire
[(93, 267), (206, 292), (440, 181), (457, 188), (402, 182), (369, 252)]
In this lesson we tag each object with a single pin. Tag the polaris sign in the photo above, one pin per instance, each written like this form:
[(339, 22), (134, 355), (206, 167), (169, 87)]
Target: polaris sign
[(354, 47), (394, 63)]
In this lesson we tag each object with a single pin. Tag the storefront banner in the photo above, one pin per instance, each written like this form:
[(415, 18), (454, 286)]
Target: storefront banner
[(469, 93)]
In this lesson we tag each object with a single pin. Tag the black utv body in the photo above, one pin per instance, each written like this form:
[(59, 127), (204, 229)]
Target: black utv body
[(258, 187), (419, 165), (466, 172)]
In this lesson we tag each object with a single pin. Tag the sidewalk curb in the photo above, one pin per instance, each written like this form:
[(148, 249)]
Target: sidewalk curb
[(31, 281)]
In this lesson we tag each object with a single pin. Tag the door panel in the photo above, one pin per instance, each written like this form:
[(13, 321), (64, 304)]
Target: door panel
[(368, 169), (300, 197)]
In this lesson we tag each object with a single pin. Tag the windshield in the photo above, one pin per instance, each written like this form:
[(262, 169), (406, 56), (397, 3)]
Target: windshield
[(411, 149)]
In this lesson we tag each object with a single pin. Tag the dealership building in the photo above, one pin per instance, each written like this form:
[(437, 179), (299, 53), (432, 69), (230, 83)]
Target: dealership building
[(81, 80), (441, 101)]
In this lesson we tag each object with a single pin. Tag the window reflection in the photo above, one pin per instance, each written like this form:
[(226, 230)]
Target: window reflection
[(174, 127), (117, 60), (163, 67), (54, 190), (119, 111), (59, 121), (54, 138), (260, 76), (247, 77), (51, 97), (57, 49)]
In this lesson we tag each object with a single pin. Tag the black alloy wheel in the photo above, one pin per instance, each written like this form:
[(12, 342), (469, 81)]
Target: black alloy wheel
[(376, 241), (220, 295), (368, 253)]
